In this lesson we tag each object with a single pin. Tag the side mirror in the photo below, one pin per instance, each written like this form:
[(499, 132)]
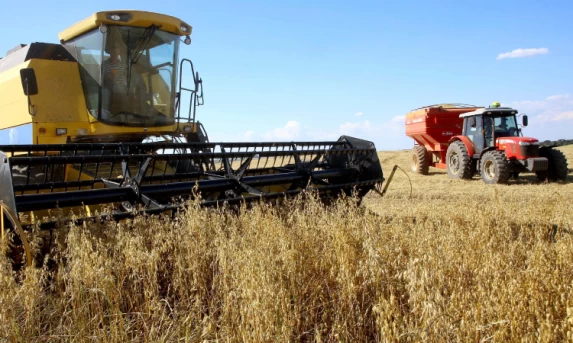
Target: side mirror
[(524, 120), (29, 83), (30, 87)]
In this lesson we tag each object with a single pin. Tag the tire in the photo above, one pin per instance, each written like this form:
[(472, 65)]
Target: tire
[(420, 160), (458, 161), (15, 252), (557, 169), (495, 168)]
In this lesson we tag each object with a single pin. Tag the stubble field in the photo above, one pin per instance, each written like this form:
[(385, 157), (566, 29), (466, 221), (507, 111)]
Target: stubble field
[(458, 261)]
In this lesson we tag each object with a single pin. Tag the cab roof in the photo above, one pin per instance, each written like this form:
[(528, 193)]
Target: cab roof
[(126, 17), (490, 111)]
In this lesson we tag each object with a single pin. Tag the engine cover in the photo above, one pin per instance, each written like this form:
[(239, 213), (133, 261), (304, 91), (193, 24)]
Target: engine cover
[(519, 148)]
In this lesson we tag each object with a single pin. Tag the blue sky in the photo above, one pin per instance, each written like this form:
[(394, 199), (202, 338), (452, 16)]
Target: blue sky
[(313, 70)]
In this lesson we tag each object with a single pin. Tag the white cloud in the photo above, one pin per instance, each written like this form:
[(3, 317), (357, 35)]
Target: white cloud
[(551, 109), (249, 134), (558, 97), (519, 53), (350, 128), (290, 131), (13, 136), (358, 114), (567, 115), (369, 130)]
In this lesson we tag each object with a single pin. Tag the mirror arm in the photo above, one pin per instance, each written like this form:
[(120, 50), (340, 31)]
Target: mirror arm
[(31, 107)]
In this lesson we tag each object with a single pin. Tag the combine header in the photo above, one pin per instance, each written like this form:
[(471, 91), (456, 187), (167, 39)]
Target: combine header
[(157, 177), (106, 126)]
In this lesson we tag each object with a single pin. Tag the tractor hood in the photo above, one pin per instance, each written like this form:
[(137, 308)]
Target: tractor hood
[(503, 141)]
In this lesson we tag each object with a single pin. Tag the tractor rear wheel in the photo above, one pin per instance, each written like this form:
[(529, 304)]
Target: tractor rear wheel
[(420, 160), (495, 168), (458, 161), (557, 169)]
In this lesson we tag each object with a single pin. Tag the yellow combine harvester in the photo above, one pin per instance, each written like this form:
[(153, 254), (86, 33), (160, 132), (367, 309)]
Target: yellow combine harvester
[(104, 124)]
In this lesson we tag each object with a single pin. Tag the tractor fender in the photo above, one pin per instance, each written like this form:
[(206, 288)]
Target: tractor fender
[(486, 150), (469, 145)]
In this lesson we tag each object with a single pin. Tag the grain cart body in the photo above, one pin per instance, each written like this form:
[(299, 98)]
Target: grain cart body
[(431, 128)]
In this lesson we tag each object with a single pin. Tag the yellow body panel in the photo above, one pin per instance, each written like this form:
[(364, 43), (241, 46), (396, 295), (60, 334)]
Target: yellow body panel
[(13, 102), (59, 103), (60, 96), (137, 18)]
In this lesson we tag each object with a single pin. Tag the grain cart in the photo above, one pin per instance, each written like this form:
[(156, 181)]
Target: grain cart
[(467, 139), (98, 120)]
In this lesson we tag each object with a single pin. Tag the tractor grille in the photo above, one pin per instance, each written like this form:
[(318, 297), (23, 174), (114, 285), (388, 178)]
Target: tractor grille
[(529, 150), (536, 164)]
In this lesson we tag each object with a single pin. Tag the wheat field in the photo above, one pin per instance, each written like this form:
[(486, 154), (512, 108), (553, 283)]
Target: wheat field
[(455, 261)]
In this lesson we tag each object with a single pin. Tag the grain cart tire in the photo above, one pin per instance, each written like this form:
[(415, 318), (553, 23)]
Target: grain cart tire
[(557, 169), (458, 161), (494, 167), (420, 160)]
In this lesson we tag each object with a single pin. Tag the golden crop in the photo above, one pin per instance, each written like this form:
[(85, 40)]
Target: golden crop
[(457, 262)]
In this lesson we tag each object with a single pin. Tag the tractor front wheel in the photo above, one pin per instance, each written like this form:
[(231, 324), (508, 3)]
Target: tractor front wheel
[(420, 160), (458, 161), (557, 168), (495, 168)]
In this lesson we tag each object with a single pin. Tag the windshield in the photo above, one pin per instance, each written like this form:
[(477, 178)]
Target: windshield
[(504, 126), (136, 71)]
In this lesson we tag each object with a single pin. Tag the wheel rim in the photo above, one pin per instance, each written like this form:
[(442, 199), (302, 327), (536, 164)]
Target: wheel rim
[(414, 162), (454, 163), (489, 169)]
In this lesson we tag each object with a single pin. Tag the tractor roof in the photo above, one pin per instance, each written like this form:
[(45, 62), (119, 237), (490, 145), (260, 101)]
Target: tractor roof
[(490, 111), (126, 17)]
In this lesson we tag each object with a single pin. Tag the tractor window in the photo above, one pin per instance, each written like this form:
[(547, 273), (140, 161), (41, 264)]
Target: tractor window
[(472, 121), (470, 129), (505, 126), (137, 90), (132, 71), (88, 51), (488, 131), (163, 80)]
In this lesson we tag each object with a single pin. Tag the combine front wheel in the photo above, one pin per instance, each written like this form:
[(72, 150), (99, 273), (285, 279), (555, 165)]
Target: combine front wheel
[(557, 169), (494, 168), (19, 250), (420, 160), (458, 161)]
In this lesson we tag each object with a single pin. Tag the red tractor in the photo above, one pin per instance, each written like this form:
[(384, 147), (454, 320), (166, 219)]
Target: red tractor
[(466, 139)]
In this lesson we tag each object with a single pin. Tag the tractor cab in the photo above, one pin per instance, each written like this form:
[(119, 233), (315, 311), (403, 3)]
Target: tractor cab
[(485, 126), (130, 68)]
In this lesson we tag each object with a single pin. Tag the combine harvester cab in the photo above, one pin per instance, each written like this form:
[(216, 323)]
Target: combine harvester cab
[(108, 127), (467, 139)]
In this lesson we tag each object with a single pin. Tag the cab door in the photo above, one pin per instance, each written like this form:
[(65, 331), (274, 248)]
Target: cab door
[(474, 130)]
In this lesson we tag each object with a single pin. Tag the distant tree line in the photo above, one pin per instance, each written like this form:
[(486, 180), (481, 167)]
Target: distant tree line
[(559, 142)]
